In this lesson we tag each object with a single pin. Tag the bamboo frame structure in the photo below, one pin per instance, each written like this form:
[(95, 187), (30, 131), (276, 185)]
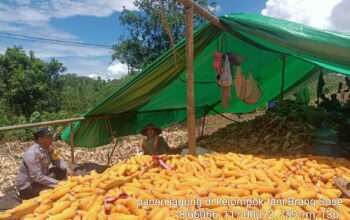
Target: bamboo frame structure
[(215, 21), (191, 7), (204, 13)]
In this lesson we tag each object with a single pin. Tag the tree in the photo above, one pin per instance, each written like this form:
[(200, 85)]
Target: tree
[(30, 83), (147, 39)]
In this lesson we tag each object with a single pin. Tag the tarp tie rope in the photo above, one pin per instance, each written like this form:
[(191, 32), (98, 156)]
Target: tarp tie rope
[(230, 119)]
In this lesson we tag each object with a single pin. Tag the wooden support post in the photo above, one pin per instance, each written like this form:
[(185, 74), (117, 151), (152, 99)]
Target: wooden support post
[(72, 141), (191, 121), (283, 71)]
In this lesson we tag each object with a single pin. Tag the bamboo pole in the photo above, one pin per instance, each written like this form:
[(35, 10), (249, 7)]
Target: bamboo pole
[(72, 141), (57, 122), (40, 124), (191, 122)]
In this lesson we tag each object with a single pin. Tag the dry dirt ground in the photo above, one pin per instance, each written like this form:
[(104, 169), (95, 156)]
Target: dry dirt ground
[(11, 152)]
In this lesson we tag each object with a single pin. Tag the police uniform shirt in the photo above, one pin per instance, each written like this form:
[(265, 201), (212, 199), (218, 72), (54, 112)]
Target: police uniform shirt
[(35, 168)]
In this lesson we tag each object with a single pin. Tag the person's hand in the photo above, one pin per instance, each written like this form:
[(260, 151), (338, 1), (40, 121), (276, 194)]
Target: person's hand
[(70, 172), (59, 183)]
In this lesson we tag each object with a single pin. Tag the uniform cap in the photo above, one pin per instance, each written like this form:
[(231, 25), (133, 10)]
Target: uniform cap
[(46, 131)]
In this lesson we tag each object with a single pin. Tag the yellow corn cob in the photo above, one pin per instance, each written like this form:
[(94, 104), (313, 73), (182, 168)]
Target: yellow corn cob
[(132, 206), (83, 194), (102, 215), (234, 173), (121, 216), (59, 193), (66, 214), (92, 214), (307, 195), (248, 186), (23, 209), (112, 183), (343, 210), (266, 189), (87, 202), (59, 207), (120, 209), (6, 216), (330, 193), (43, 208), (122, 169)]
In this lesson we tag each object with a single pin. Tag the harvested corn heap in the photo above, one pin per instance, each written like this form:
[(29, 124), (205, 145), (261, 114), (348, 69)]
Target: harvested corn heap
[(211, 186), (265, 134), (282, 130)]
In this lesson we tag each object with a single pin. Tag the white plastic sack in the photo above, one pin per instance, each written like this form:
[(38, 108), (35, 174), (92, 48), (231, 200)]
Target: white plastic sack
[(226, 76)]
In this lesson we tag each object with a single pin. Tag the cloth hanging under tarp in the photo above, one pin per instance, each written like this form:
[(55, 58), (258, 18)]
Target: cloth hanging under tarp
[(226, 83), (247, 90)]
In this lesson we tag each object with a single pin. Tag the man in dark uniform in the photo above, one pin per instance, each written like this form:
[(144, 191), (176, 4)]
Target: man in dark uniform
[(34, 174)]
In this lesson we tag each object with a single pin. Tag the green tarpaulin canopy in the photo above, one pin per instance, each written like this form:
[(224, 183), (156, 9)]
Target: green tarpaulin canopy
[(158, 94)]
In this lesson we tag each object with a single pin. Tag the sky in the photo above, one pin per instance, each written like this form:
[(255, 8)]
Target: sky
[(96, 22)]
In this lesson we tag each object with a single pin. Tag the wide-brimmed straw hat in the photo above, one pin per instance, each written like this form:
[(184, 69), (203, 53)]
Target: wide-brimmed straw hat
[(150, 126)]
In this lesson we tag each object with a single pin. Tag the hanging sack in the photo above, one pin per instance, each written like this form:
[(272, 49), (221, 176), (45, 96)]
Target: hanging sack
[(252, 92), (239, 83), (218, 61), (226, 82), (218, 65), (226, 76)]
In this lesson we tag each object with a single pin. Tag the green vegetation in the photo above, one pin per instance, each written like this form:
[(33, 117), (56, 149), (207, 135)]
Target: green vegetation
[(147, 36), (32, 90)]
